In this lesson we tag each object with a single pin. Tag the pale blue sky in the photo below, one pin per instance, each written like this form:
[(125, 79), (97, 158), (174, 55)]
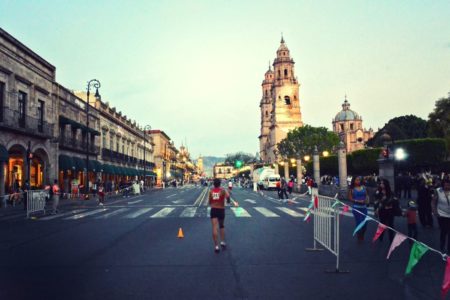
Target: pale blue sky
[(194, 68)]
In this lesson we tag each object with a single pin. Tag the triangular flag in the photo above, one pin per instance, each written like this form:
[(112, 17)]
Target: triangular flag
[(360, 225), (417, 251), (345, 209), (308, 215), (380, 229), (316, 202), (310, 205), (398, 239), (446, 283), (335, 203)]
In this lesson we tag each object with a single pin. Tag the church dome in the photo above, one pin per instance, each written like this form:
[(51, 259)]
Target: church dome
[(346, 114)]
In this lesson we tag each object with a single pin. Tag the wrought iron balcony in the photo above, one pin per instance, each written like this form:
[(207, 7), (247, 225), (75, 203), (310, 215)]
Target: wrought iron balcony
[(77, 145), (14, 120)]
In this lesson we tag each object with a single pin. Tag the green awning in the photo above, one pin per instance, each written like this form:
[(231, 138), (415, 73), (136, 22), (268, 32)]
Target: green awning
[(3, 153), (95, 166), (79, 163), (65, 163), (107, 169)]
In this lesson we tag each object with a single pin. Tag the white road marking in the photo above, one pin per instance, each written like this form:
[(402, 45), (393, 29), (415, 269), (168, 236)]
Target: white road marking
[(163, 212), (138, 213), (189, 212), (177, 201), (62, 215), (266, 213), (134, 202), (89, 213), (240, 212), (200, 197), (170, 196), (250, 200), (290, 212), (113, 213), (208, 211)]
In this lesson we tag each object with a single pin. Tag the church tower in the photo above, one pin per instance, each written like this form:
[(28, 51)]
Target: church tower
[(280, 107)]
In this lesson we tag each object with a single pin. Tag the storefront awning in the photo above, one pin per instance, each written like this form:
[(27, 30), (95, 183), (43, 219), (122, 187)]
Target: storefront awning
[(79, 163), (95, 166), (3, 153), (66, 163)]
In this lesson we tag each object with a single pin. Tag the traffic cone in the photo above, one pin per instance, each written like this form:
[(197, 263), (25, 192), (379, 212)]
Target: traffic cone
[(180, 233)]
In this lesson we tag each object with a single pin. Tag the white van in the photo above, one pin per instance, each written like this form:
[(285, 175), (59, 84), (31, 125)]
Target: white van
[(270, 182)]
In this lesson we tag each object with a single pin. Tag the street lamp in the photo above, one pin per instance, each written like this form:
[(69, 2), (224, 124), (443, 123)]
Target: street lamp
[(146, 127), (96, 84)]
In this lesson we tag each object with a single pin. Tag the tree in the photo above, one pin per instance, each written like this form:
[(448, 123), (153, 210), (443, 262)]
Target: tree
[(302, 140), (239, 156), (401, 128), (439, 120)]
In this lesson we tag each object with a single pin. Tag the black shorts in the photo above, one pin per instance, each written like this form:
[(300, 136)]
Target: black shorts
[(218, 213)]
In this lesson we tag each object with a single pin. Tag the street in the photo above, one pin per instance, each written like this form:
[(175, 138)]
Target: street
[(129, 249)]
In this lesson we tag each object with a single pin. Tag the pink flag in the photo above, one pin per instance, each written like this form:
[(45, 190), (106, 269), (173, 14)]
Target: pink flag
[(345, 209), (380, 229), (316, 202), (398, 239), (446, 283)]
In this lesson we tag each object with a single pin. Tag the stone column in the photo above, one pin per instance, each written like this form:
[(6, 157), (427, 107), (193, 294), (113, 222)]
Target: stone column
[(342, 163), (299, 173), (286, 170), (316, 166), (277, 170)]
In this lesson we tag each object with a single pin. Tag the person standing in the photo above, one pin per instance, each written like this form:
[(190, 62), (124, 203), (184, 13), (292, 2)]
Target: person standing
[(424, 204), (290, 185), (55, 196), (411, 216), (441, 209), (387, 206), (358, 195), (283, 187), (217, 202), (101, 194)]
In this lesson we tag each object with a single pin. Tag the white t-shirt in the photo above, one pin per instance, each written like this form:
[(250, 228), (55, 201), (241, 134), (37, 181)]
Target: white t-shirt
[(443, 203), (230, 184)]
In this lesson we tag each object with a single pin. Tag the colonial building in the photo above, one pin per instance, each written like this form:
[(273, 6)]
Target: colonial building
[(348, 125), (28, 114), (165, 156), (280, 104), (223, 171)]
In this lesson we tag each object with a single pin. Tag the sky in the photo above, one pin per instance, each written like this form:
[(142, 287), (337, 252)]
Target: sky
[(194, 68)]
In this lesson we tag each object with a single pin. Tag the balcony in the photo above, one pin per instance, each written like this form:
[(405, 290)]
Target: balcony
[(77, 145), (13, 120)]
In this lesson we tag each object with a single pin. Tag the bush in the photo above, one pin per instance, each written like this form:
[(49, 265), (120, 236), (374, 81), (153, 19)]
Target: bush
[(364, 162), (422, 153)]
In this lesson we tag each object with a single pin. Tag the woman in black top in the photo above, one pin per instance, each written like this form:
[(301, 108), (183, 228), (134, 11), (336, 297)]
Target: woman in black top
[(386, 206)]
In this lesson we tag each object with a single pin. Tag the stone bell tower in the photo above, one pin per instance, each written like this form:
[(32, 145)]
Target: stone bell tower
[(282, 102)]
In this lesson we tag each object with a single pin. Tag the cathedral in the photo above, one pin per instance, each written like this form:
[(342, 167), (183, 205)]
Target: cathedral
[(280, 104)]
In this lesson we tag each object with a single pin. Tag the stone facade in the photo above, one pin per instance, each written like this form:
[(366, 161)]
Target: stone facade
[(165, 155), (223, 171), (280, 104), (348, 125)]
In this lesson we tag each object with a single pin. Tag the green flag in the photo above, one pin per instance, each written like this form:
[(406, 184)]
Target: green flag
[(417, 251)]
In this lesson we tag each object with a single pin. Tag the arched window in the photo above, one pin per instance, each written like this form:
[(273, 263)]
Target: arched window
[(351, 126), (266, 93), (267, 114), (342, 127), (287, 100), (295, 97), (279, 73), (285, 72)]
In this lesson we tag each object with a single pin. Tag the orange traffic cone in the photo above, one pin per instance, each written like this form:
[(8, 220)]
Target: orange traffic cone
[(180, 233)]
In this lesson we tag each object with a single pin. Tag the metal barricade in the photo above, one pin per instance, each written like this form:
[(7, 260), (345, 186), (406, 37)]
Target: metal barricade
[(326, 226), (36, 201)]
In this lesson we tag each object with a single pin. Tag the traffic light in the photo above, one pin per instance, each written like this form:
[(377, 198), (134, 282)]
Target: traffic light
[(238, 164)]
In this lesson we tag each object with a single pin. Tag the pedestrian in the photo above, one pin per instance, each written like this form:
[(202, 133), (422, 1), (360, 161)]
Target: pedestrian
[(291, 185), (217, 202), (360, 198), (283, 188), (101, 195), (424, 204), (441, 209), (411, 216), (278, 187), (55, 196), (387, 206)]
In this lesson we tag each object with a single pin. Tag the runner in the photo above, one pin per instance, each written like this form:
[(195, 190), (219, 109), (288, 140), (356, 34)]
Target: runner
[(230, 185), (55, 192), (217, 202)]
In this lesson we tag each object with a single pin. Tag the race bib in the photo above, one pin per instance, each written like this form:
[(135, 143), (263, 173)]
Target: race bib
[(216, 196)]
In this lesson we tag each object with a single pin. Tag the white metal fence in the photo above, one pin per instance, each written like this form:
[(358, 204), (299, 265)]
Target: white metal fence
[(36, 201), (326, 225)]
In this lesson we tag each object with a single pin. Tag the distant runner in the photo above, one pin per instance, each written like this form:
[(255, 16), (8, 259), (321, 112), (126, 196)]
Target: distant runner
[(230, 185), (217, 202)]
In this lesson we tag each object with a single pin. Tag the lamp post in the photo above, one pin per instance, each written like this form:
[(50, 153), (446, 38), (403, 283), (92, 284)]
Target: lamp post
[(96, 84), (147, 127)]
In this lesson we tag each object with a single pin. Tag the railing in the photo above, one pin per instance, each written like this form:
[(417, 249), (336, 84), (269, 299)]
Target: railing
[(13, 119), (75, 144)]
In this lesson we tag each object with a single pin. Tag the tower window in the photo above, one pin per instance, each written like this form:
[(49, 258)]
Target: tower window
[(266, 92), (285, 72), (267, 114), (351, 126), (279, 73), (287, 100), (342, 127)]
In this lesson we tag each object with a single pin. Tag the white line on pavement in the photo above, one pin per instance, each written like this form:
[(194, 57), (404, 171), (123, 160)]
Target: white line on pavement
[(113, 213), (163, 212), (134, 202), (250, 200), (240, 212), (290, 212), (138, 213), (82, 215), (62, 215), (170, 196), (266, 213), (189, 212)]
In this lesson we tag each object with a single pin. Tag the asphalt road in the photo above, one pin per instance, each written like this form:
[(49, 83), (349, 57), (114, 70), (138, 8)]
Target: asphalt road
[(129, 250)]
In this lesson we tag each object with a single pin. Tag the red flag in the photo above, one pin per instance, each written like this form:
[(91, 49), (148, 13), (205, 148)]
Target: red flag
[(446, 283), (398, 239), (316, 202), (380, 229), (345, 209)]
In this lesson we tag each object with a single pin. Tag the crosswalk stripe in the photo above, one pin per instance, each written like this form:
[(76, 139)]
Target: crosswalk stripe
[(82, 215), (189, 212), (240, 212), (134, 202), (138, 213), (290, 212), (163, 212), (265, 212), (62, 215), (113, 213)]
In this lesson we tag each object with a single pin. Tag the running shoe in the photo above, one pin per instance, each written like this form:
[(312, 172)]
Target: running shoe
[(216, 249), (223, 245)]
